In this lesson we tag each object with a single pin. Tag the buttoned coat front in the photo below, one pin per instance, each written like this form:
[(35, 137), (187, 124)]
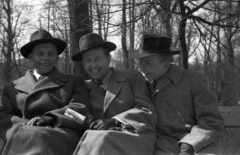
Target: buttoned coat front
[(187, 113), (25, 98), (128, 99)]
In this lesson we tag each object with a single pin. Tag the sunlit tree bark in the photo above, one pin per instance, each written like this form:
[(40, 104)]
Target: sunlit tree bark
[(124, 33), (79, 26)]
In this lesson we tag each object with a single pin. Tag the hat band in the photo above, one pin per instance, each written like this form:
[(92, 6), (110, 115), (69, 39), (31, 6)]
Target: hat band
[(142, 51)]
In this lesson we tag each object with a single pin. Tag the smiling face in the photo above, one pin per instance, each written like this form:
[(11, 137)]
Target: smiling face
[(96, 63), (44, 57), (152, 67)]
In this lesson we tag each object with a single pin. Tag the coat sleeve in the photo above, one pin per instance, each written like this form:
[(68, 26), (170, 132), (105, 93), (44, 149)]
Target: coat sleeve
[(79, 102), (209, 126), (8, 105), (10, 116), (143, 116)]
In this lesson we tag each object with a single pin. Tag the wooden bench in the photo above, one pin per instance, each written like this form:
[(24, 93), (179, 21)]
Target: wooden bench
[(231, 138), (231, 116)]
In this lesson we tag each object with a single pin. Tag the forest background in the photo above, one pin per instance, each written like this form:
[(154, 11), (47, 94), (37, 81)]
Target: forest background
[(206, 31)]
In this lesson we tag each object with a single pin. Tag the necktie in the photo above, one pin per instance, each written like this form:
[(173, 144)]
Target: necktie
[(100, 87), (40, 78), (150, 87)]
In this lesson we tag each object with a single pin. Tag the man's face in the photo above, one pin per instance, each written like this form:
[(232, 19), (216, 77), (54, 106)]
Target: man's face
[(44, 57), (152, 67), (96, 63)]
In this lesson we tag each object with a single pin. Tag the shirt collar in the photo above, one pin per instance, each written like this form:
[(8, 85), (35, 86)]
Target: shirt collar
[(174, 74), (105, 81), (154, 82), (107, 78), (36, 74)]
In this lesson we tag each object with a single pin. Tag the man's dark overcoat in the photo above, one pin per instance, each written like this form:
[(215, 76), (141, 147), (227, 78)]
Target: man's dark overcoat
[(187, 112), (25, 98), (128, 99)]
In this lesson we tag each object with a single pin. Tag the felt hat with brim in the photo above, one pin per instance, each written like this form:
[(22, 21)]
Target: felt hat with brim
[(152, 44), (42, 36), (90, 41)]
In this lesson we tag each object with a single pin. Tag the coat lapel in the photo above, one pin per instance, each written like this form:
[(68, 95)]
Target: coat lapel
[(28, 84), (111, 93), (173, 75), (25, 83), (95, 95), (162, 83), (113, 88), (54, 79)]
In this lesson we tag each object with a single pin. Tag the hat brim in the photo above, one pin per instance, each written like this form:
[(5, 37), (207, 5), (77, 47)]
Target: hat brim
[(108, 45), (27, 48), (137, 54)]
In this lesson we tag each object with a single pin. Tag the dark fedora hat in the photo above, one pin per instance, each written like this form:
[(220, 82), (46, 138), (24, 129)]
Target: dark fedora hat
[(90, 41), (42, 36), (152, 44)]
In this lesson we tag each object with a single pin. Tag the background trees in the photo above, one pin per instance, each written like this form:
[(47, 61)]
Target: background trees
[(11, 28), (207, 32)]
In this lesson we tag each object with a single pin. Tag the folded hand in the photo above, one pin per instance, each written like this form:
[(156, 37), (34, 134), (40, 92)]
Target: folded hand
[(186, 149), (42, 121), (104, 124)]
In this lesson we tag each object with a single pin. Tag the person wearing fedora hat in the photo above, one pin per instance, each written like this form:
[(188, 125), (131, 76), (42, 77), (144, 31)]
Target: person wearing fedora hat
[(188, 118), (120, 101), (32, 119)]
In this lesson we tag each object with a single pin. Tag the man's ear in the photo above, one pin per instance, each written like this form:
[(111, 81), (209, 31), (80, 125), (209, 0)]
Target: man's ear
[(30, 60), (57, 60), (109, 58), (166, 64), (30, 56)]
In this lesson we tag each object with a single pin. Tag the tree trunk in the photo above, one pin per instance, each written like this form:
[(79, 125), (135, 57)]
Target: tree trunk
[(182, 37), (232, 91), (99, 18), (124, 34), (165, 16), (9, 43), (106, 20), (103, 17), (219, 79), (79, 26), (131, 31)]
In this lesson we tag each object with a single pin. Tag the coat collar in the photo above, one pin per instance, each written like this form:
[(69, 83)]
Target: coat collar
[(113, 87), (117, 75), (28, 84), (173, 75)]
